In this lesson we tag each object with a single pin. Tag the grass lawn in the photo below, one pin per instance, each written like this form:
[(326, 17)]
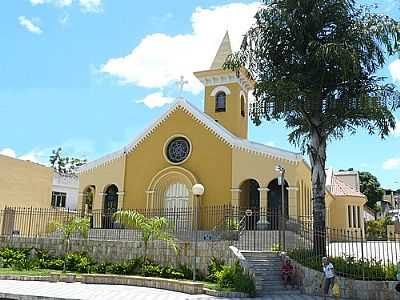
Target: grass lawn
[(41, 272), (215, 287)]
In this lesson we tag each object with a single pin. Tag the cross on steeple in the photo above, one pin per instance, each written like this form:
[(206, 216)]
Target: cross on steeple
[(180, 85)]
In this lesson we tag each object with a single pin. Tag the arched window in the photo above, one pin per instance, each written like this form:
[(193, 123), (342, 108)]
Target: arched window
[(242, 109), (220, 102)]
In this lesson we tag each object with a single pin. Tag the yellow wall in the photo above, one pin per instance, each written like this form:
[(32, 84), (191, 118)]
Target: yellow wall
[(24, 184), (338, 211), (210, 161), (102, 177), (231, 119)]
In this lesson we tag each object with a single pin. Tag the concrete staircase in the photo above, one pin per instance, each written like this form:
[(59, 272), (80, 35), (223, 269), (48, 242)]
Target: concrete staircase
[(267, 269)]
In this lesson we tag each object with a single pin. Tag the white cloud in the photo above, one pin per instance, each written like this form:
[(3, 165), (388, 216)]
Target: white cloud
[(271, 144), (391, 164), (394, 69), (92, 6), (8, 152), (32, 156), (29, 25), (160, 59), (155, 100)]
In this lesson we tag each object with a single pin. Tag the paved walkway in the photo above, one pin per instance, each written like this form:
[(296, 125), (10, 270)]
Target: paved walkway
[(61, 290)]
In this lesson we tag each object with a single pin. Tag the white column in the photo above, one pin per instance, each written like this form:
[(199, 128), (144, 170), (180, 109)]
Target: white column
[(121, 200), (150, 200), (235, 201), (263, 221)]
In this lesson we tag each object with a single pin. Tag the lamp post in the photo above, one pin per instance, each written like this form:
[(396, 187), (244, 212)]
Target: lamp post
[(198, 191), (281, 170)]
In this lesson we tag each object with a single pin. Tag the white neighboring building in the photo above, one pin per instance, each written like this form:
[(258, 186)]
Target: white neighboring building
[(65, 191)]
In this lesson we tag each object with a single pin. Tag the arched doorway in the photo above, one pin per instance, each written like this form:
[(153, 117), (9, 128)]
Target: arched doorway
[(87, 202), (250, 199), (275, 202), (110, 206), (177, 197), (88, 198)]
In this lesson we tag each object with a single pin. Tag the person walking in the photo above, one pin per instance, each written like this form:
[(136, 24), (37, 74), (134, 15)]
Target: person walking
[(329, 275)]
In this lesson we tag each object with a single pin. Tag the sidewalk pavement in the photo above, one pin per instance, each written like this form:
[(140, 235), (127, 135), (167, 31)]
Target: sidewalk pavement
[(36, 290)]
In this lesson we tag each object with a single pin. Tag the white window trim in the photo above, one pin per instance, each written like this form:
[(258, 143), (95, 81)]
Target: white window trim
[(220, 88)]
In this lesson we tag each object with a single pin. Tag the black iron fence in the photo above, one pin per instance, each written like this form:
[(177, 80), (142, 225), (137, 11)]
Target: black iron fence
[(246, 228)]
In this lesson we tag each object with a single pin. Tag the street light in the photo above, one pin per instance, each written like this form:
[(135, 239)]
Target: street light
[(281, 170), (198, 191)]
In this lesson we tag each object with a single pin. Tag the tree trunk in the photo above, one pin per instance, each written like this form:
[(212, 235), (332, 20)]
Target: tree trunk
[(317, 153)]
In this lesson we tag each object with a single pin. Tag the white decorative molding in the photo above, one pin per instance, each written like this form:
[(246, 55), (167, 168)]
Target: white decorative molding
[(102, 194), (292, 188), (121, 193), (220, 88), (262, 189), (149, 192), (209, 123), (236, 190)]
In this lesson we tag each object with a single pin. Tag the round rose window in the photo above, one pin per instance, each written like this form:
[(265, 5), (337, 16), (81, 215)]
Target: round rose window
[(178, 150)]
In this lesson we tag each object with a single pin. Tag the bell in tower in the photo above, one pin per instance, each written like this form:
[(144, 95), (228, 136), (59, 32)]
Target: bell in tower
[(226, 92)]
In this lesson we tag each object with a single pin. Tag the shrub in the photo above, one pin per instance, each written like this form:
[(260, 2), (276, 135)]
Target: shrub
[(234, 277), (216, 265), (14, 257), (347, 266), (78, 262), (186, 271)]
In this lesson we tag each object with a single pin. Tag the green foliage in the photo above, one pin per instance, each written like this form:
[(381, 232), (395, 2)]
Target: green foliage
[(377, 229), (69, 228), (155, 228), (314, 64), (234, 277), (370, 187), (65, 165), (216, 265), (347, 266), (78, 262), (275, 247)]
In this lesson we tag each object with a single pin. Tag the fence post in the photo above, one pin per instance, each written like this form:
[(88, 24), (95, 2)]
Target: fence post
[(362, 253), (30, 222)]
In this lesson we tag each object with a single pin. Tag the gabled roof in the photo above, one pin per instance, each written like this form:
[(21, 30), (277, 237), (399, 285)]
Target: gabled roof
[(224, 50), (214, 127), (338, 188)]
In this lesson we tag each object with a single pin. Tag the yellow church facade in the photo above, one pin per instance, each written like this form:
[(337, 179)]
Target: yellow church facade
[(186, 146)]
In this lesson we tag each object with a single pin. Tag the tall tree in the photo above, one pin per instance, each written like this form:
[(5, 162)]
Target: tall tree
[(64, 164), (313, 63), (370, 187)]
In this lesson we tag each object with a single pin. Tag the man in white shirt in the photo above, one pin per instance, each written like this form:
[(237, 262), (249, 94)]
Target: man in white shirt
[(329, 275)]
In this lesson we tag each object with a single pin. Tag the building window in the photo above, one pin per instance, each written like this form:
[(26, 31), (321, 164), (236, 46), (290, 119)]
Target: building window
[(220, 102), (242, 109), (349, 215), (58, 199), (354, 217)]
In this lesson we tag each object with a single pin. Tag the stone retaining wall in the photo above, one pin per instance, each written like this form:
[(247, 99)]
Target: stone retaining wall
[(116, 251), (310, 280)]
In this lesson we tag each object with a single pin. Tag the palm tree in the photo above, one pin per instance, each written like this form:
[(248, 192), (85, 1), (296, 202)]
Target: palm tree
[(69, 228), (155, 228)]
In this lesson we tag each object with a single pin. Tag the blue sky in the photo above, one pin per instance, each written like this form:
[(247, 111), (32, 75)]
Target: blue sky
[(90, 75)]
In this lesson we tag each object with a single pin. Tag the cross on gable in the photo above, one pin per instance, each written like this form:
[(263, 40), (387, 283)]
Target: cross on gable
[(181, 83)]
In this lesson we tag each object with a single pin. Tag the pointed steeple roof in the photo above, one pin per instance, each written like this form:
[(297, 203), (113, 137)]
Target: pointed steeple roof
[(223, 52)]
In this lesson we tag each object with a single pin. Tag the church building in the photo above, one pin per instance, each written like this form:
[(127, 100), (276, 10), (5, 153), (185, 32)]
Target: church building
[(185, 146)]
